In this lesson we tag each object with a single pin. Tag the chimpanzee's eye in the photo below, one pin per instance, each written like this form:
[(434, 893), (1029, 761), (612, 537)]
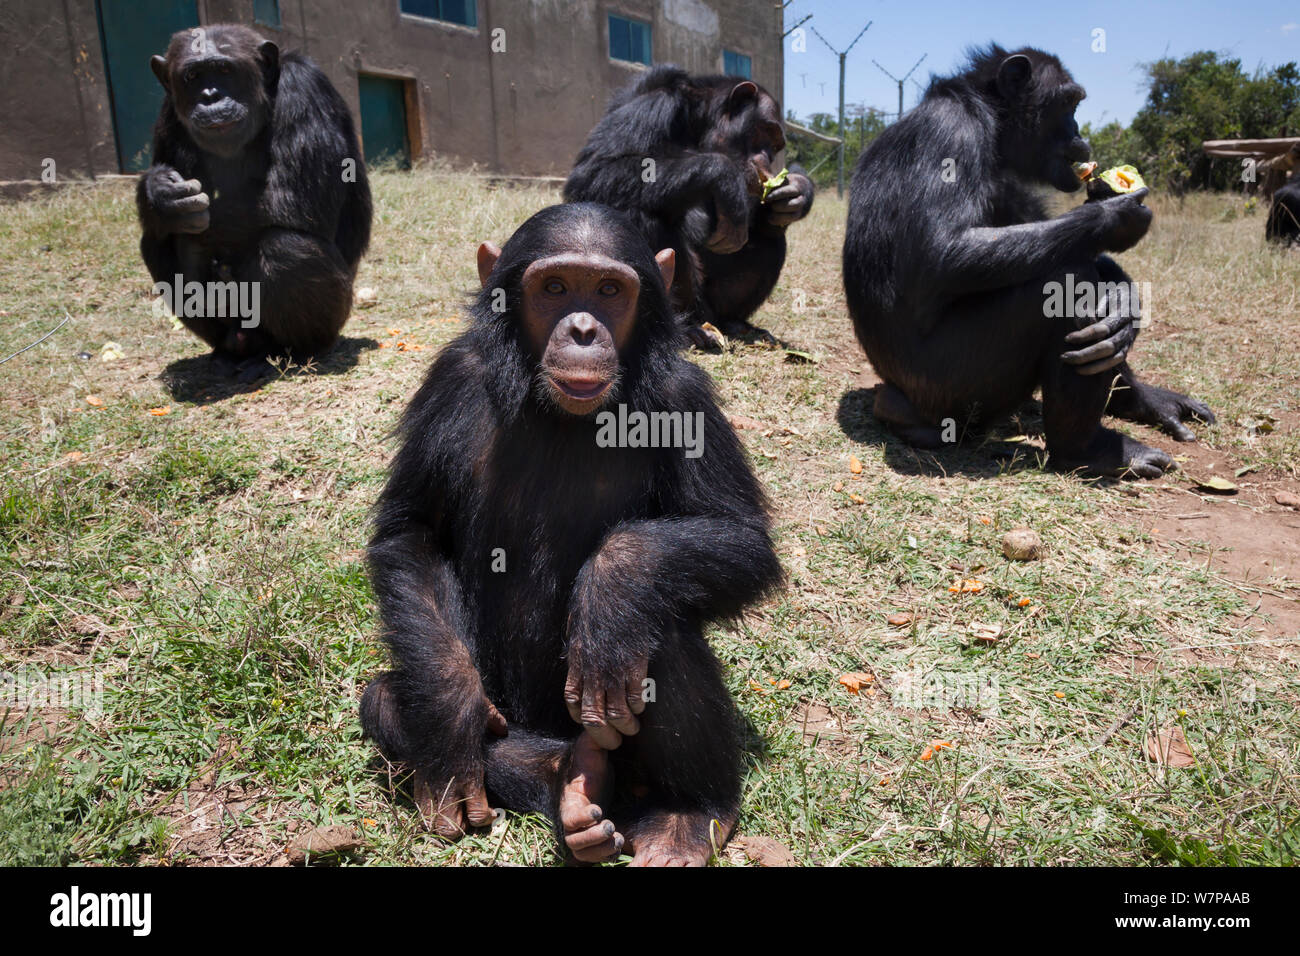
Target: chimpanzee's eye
[(608, 288), (554, 287)]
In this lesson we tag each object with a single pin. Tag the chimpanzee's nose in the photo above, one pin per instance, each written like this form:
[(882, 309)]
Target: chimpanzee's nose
[(210, 96), (582, 328)]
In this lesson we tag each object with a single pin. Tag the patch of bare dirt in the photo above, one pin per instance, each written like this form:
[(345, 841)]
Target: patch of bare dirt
[(1247, 536), (215, 822)]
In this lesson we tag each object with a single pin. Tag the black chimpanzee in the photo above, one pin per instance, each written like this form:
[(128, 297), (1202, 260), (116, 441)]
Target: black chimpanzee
[(545, 560), (257, 179), (687, 157), (949, 259), (1283, 223)]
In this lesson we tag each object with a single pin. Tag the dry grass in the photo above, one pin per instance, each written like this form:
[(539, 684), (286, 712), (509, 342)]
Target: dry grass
[(206, 562)]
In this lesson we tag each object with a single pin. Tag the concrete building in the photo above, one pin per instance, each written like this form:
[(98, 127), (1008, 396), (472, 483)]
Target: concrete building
[(511, 85)]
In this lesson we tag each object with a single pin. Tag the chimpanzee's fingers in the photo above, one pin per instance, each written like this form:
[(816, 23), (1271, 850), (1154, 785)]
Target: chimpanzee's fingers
[(495, 722), (1092, 353), (1102, 329), (617, 714), (787, 193), (1104, 365), (449, 822), (477, 810), (573, 692), (593, 836), (175, 187), (439, 807), (593, 716), (636, 687), (196, 202)]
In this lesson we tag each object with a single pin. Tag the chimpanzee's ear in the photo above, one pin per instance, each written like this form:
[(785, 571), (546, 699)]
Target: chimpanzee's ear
[(488, 254), (270, 54), (741, 95), (1014, 75), (159, 66), (667, 261)]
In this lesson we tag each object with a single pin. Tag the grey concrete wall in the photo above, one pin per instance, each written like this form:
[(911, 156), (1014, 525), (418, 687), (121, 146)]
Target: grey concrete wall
[(53, 96), (526, 110)]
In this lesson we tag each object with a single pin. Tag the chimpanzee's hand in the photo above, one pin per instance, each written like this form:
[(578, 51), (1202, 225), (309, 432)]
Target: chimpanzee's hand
[(180, 204), (730, 235), (732, 186), (791, 201), (448, 803), (605, 700), (1105, 343), (1127, 221)]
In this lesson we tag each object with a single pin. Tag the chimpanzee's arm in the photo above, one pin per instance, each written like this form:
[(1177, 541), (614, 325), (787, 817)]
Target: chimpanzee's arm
[(708, 557), (992, 257), (668, 188), (436, 714)]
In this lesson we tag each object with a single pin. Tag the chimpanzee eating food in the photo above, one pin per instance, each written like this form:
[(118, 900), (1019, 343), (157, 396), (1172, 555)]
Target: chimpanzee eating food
[(950, 265), (257, 187), (544, 578), (688, 158)]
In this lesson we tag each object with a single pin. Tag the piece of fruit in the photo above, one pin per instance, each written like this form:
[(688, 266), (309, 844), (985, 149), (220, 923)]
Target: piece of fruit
[(776, 182), (1084, 170), (1122, 179)]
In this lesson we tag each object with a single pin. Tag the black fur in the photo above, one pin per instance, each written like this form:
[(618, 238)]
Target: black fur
[(631, 551), (948, 250), (281, 213), (683, 123), (1283, 223)]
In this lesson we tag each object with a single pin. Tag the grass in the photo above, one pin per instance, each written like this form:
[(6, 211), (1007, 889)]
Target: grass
[(206, 565)]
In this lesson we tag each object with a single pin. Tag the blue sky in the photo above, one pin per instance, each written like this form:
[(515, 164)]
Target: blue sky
[(1258, 32)]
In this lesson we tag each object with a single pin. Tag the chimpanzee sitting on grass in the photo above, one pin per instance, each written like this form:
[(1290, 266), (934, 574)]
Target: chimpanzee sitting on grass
[(687, 156), (545, 595), (257, 179), (949, 258)]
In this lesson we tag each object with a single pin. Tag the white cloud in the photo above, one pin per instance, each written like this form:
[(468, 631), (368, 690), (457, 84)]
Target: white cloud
[(1288, 27)]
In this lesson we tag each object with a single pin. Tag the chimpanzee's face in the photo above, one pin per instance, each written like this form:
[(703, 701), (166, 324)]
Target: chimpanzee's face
[(1042, 139), (217, 91), (751, 130), (1065, 146), (579, 312)]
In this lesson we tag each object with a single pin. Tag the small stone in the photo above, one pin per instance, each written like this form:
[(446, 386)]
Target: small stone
[(1287, 500), (1022, 544)]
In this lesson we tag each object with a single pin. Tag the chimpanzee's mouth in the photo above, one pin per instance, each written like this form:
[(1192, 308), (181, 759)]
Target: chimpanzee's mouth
[(581, 389)]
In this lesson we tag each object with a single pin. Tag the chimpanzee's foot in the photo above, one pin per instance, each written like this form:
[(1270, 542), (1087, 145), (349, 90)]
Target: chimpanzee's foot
[(1158, 407), (705, 337), (587, 834), (747, 333), (1112, 455), (896, 412), (664, 838)]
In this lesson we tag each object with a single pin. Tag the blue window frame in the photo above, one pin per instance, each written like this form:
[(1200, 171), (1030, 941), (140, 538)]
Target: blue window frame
[(463, 12), (266, 12), (629, 40), (737, 64)]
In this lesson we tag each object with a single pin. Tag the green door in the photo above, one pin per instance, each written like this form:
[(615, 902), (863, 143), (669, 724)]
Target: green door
[(383, 121), (132, 31)]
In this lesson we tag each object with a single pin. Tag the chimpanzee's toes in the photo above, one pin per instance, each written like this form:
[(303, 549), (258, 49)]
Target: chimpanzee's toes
[(1194, 409)]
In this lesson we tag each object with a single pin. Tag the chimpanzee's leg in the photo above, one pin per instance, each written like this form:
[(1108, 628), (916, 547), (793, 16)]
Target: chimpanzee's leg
[(678, 779), (567, 780), (181, 255), (736, 286), (1143, 403), (1073, 404), (305, 291), (986, 354)]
